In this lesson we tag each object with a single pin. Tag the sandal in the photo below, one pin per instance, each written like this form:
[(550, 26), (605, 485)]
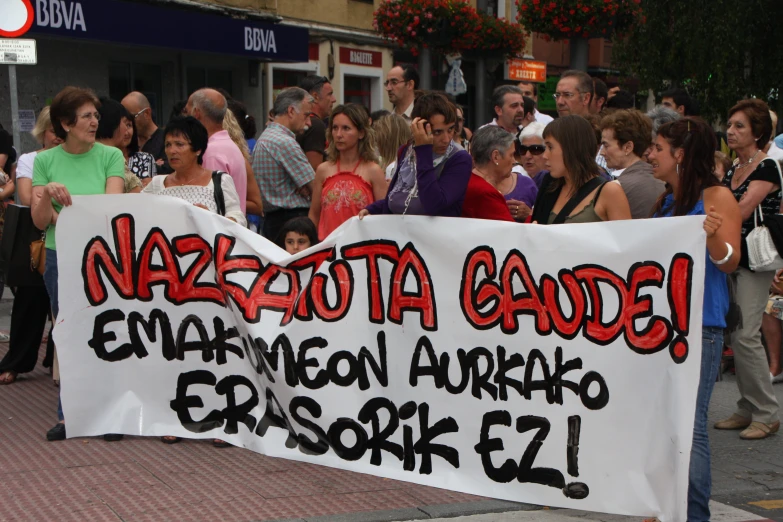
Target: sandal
[(759, 430), (168, 439), (8, 377)]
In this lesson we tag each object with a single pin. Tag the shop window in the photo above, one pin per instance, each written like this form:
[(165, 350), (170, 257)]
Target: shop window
[(356, 89), (146, 78), (199, 77), (282, 78)]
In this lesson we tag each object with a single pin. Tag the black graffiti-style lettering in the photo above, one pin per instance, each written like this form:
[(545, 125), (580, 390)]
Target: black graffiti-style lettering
[(184, 402), (426, 363), (302, 368), (524, 471)]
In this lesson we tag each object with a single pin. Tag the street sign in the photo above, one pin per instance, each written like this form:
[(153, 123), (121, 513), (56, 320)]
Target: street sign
[(18, 51), (521, 70), (17, 17)]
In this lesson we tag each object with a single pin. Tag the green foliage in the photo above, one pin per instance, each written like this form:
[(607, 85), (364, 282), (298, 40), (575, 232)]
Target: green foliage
[(721, 51)]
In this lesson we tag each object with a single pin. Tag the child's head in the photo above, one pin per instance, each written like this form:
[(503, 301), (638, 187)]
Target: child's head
[(722, 165), (297, 234)]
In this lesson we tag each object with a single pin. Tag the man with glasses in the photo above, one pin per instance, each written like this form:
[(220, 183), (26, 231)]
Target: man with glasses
[(401, 83), (313, 141), (150, 135), (574, 93)]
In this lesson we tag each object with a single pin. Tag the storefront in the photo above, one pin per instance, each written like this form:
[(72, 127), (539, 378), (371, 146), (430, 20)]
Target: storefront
[(356, 72), (115, 46)]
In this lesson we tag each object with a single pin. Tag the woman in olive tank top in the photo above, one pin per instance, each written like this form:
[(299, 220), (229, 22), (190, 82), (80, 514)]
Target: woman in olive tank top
[(573, 191)]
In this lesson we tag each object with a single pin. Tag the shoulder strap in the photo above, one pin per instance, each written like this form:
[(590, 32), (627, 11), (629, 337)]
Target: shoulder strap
[(581, 194), (217, 187)]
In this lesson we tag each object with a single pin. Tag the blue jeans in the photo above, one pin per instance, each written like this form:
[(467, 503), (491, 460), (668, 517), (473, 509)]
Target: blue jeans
[(50, 281), (700, 476)]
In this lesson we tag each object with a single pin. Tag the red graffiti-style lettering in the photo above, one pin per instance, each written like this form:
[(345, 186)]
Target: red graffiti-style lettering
[(658, 332), (529, 302), (167, 274), (304, 308), (487, 294), (342, 275), (422, 300), (97, 255), (372, 252), (490, 301), (576, 296), (191, 286)]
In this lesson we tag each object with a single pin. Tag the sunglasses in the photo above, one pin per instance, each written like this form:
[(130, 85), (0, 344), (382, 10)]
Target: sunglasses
[(521, 150)]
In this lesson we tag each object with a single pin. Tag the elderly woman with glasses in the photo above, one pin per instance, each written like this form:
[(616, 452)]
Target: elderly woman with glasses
[(80, 166), (529, 150)]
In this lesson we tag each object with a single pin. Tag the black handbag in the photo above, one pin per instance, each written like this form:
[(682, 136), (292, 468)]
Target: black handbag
[(18, 232)]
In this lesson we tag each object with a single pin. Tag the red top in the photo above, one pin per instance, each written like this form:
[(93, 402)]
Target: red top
[(343, 195), (483, 201)]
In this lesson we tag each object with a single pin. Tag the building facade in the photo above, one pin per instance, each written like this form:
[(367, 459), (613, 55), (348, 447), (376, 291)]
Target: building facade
[(169, 48)]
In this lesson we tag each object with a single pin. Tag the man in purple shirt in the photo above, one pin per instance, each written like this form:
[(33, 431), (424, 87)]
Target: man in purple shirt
[(209, 107)]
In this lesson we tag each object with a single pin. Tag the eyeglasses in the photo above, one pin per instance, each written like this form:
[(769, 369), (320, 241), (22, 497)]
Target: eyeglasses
[(566, 95), (393, 82), (521, 150), (139, 113), (90, 115)]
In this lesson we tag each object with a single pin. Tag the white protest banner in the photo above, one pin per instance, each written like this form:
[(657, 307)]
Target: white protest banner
[(552, 365)]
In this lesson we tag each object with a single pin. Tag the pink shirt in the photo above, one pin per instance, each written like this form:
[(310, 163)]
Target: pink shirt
[(223, 154)]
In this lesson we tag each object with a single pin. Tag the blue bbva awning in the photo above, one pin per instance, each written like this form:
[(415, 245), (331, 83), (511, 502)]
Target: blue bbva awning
[(153, 25)]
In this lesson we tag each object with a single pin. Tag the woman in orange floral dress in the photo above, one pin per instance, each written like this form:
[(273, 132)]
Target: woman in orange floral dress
[(351, 178)]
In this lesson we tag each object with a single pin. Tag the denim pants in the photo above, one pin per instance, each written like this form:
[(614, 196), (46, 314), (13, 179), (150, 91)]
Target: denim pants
[(700, 476), (50, 281)]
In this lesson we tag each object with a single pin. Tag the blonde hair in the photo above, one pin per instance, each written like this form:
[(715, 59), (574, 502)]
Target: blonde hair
[(360, 119), (231, 125), (41, 124), (391, 132)]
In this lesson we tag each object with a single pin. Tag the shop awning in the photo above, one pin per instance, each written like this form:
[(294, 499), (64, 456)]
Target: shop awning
[(153, 25)]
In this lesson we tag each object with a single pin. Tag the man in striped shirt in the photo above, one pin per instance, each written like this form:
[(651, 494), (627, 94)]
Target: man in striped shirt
[(281, 167)]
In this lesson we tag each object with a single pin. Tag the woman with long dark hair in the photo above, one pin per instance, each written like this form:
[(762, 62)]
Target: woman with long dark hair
[(682, 157), (572, 191)]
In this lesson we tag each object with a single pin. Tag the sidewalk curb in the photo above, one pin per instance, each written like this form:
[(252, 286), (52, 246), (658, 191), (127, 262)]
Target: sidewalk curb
[(480, 507)]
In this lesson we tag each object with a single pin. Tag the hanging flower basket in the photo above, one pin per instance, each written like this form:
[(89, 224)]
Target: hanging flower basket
[(445, 26), (565, 19), (499, 37)]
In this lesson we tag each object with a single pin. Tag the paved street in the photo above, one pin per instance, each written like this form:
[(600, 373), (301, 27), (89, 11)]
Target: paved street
[(142, 479)]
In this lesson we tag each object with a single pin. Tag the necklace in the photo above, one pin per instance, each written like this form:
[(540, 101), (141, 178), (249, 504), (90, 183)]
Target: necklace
[(186, 182), (486, 178), (743, 165)]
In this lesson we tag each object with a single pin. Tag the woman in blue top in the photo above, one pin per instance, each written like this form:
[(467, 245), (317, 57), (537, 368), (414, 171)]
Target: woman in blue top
[(683, 157)]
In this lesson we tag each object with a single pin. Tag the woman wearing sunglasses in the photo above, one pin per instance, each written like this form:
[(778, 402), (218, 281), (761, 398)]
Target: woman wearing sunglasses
[(625, 137), (529, 150)]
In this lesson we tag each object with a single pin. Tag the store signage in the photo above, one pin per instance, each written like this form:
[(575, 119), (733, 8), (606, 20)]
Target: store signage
[(361, 57), (525, 70), (181, 29), (17, 51)]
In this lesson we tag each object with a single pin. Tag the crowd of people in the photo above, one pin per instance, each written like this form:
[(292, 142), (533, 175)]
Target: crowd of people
[(317, 165)]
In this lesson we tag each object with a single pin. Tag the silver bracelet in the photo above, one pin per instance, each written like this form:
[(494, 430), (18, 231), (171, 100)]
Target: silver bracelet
[(725, 259)]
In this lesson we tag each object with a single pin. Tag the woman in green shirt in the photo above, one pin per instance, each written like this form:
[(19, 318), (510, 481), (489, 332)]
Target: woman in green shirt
[(78, 167)]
